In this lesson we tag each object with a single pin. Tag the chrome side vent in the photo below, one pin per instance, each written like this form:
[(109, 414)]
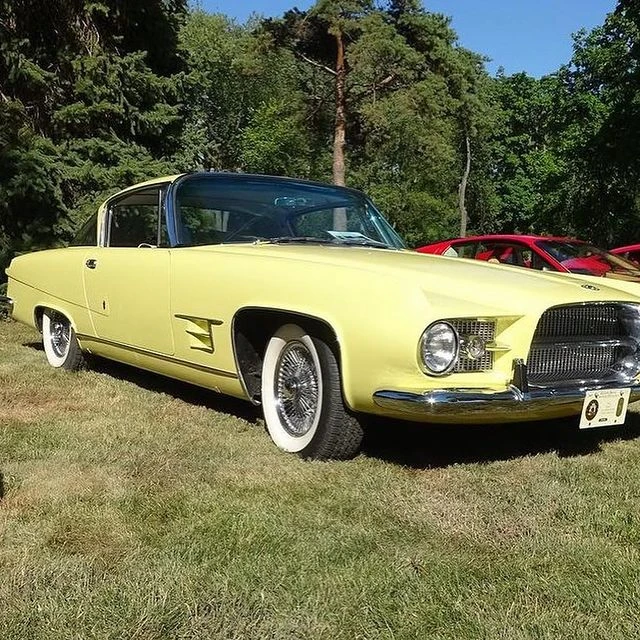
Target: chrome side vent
[(199, 332)]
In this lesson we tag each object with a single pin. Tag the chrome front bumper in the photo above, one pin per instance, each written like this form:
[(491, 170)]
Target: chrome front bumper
[(486, 405), (6, 306)]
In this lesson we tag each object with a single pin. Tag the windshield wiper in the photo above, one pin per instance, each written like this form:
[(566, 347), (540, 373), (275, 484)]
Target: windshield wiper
[(362, 242), (301, 239), (351, 242)]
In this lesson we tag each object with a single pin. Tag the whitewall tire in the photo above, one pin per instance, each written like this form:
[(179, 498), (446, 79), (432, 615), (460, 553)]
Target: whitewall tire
[(302, 397), (60, 344)]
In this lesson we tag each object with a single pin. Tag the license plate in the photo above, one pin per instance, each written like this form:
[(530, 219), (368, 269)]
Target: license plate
[(604, 408)]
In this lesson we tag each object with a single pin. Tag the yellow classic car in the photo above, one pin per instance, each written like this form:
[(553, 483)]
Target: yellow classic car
[(300, 297)]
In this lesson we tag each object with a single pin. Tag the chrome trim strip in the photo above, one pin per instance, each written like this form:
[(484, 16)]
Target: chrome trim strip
[(6, 305), (184, 316), (485, 403), (495, 347), (104, 238), (159, 356), (603, 343)]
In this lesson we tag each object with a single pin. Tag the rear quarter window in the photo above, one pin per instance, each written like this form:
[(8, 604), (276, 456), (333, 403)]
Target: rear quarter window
[(88, 234)]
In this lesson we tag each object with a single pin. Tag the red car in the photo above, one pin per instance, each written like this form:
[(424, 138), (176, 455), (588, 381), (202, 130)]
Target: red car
[(630, 252), (544, 253)]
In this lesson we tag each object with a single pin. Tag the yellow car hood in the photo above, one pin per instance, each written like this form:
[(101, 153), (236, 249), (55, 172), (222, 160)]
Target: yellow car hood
[(491, 288)]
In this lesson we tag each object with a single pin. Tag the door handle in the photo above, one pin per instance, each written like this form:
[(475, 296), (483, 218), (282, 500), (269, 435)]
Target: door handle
[(91, 263)]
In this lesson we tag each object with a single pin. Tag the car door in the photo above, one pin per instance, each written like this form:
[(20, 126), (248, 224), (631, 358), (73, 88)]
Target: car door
[(126, 279)]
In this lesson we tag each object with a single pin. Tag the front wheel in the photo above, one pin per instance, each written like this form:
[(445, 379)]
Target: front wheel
[(302, 397), (60, 344)]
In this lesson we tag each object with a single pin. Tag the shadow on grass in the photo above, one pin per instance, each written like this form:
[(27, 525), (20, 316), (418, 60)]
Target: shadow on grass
[(407, 443), (424, 446), (174, 388), (36, 346)]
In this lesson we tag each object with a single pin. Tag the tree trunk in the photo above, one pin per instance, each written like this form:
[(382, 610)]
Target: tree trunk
[(462, 188), (340, 126)]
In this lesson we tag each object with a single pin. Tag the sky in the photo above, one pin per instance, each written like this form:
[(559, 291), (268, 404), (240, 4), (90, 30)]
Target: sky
[(518, 35)]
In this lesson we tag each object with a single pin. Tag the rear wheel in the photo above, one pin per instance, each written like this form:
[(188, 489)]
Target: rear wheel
[(302, 397), (60, 343)]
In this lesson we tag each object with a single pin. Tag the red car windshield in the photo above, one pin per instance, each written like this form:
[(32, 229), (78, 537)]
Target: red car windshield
[(580, 257)]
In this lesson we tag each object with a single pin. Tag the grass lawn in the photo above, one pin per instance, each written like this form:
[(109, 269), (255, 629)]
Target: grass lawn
[(137, 507)]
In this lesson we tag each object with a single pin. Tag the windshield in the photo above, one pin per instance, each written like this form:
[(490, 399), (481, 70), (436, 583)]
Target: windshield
[(223, 209), (581, 257)]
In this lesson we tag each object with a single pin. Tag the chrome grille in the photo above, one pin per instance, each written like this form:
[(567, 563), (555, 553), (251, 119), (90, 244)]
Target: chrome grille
[(576, 362), (581, 343), (484, 330), (588, 320)]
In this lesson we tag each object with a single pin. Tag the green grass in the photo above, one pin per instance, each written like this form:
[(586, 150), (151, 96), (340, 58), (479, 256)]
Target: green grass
[(136, 507)]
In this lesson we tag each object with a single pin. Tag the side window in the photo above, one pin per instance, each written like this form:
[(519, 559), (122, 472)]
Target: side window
[(461, 250), (518, 255), (466, 250), (136, 220), (88, 234), (505, 253), (525, 257), (539, 263)]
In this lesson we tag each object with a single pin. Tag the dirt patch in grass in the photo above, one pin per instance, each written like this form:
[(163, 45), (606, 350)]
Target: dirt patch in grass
[(50, 482), (29, 408)]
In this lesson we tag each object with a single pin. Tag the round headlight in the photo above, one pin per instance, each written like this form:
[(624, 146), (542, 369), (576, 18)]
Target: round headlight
[(439, 347)]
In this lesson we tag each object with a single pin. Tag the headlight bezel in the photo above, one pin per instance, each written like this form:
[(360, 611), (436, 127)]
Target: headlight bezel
[(434, 326)]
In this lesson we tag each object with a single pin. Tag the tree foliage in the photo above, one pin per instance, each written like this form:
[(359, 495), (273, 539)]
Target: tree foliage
[(564, 156), (86, 107), (99, 94)]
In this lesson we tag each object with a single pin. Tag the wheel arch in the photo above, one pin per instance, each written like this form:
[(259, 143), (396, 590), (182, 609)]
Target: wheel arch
[(251, 329), (39, 310)]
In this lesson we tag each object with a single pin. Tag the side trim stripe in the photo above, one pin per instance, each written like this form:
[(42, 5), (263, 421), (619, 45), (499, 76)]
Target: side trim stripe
[(159, 356)]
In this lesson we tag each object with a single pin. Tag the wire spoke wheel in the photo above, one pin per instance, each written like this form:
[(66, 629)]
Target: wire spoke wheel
[(60, 335), (296, 389), (60, 344), (304, 410)]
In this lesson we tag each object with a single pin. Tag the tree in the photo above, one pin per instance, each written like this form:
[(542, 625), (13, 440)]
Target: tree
[(86, 108), (318, 37), (399, 86), (602, 87), (242, 102)]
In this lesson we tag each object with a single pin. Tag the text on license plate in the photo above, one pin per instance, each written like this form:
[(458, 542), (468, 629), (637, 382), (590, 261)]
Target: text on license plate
[(604, 408)]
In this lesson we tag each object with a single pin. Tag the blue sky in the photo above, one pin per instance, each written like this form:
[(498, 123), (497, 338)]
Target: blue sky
[(519, 35)]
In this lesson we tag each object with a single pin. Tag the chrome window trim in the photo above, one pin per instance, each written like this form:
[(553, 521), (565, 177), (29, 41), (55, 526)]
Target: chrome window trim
[(114, 200), (390, 235), (86, 338)]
